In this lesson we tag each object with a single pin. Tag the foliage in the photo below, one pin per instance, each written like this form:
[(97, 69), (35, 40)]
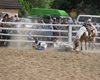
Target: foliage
[(66, 5), (28, 4), (41, 3), (25, 7)]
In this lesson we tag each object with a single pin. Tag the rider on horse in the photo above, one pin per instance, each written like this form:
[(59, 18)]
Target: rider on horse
[(89, 26)]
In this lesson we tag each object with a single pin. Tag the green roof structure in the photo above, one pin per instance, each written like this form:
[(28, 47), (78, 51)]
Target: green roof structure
[(43, 11)]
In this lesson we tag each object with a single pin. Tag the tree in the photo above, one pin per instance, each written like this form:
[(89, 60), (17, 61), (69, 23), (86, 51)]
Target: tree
[(61, 4), (67, 5), (41, 3), (25, 7), (28, 4)]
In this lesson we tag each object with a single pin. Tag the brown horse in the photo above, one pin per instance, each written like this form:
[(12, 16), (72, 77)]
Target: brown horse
[(87, 35)]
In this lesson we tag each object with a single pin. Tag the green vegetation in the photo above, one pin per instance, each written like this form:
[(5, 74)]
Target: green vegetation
[(90, 5)]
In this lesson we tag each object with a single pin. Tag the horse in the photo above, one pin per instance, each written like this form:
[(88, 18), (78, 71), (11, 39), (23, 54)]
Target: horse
[(86, 34)]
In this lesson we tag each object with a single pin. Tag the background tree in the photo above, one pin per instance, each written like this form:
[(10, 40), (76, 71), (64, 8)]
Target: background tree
[(28, 4), (91, 6), (25, 7), (41, 3)]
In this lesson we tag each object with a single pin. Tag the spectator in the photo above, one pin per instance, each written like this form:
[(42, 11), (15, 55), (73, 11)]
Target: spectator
[(75, 23), (11, 19), (1, 17), (16, 18), (55, 28), (65, 21), (49, 27), (5, 19), (7, 15), (42, 26)]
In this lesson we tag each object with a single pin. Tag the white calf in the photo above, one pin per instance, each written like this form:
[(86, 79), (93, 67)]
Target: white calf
[(62, 46)]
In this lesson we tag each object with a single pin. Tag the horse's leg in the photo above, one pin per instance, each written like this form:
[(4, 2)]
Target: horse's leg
[(89, 44), (81, 46), (93, 45), (85, 45)]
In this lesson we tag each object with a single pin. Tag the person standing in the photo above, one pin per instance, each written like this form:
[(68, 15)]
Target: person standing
[(65, 22), (16, 18), (3, 25), (55, 28)]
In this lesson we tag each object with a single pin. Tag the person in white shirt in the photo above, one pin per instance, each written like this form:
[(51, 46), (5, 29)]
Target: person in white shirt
[(16, 18)]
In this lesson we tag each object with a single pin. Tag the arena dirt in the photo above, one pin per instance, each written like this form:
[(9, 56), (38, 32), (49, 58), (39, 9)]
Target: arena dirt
[(50, 64)]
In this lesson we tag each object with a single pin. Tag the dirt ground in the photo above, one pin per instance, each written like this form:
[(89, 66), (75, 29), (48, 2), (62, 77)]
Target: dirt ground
[(30, 64)]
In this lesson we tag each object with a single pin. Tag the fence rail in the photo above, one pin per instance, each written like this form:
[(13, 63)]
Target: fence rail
[(69, 32)]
